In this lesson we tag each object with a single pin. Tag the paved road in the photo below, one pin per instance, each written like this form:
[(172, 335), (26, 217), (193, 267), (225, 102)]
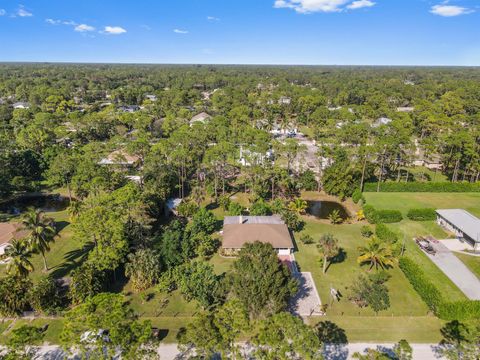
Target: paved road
[(336, 352), (456, 271)]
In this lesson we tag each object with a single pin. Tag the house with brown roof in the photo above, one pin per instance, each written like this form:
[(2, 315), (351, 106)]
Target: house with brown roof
[(241, 230), (8, 232), (201, 118), (120, 157)]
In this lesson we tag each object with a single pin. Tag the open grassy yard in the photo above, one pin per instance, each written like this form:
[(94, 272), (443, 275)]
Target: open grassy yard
[(472, 262), (407, 201)]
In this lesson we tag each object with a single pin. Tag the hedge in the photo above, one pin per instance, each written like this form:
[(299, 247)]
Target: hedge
[(425, 214), (426, 289), (460, 310), (375, 216), (423, 187), (457, 310)]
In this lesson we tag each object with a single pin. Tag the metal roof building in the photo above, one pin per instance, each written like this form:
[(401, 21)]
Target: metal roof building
[(465, 225)]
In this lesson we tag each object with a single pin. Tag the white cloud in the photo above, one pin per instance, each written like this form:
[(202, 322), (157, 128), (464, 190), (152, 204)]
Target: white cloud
[(449, 10), (212, 18), (310, 6), (53, 22), (114, 30), (179, 31), (2, 12), (22, 12), (69, 22), (84, 28), (358, 4)]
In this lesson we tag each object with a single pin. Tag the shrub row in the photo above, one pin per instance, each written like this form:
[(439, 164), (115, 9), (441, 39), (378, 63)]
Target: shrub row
[(427, 291), (457, 310), (425, 214), (423, 187), (381, 216)]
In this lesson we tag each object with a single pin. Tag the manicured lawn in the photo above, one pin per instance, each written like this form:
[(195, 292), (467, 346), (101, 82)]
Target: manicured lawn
[(52, 334), (404, 300), (3, 326), (407, 201), (472, 262), (417, 329)]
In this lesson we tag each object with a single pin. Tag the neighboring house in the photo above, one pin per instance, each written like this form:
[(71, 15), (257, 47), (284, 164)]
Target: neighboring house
[(241, 230), (332, 108), (201, 118), (8, 232), (381, 121), (284, 100), (21, 105), (129, 108), (120, 157), (249, 158), (464, 225), (405, 109), (290, 129)]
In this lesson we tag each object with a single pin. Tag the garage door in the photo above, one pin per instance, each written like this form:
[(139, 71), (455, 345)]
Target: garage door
[(283, 251)]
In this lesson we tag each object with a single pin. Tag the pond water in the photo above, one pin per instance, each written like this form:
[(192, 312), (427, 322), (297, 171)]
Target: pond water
[(47, 203), (322, 209)]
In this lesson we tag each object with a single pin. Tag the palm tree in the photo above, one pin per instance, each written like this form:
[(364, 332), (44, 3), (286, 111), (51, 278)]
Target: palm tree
[(376, 253), (298, 206), (74, 209), (42, 231), (18, 254), (335, 217), (328, 246)]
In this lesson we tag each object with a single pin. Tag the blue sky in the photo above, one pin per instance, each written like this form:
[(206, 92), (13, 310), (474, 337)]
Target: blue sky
[(364, 32)]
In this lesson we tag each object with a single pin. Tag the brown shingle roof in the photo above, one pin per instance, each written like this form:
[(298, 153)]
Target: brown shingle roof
[(9, 231), (235, 236)]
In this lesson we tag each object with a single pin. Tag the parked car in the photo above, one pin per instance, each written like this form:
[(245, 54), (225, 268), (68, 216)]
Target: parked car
[(425, 245)]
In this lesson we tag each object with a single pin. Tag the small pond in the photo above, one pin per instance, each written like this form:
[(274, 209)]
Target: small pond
[(47, 203), (322, 209)]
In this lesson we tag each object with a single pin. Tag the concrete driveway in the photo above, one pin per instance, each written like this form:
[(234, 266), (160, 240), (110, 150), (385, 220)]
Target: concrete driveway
[(456, 271)]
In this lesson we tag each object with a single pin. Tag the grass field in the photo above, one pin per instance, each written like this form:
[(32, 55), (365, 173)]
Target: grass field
[(407, 201), (472, 262)]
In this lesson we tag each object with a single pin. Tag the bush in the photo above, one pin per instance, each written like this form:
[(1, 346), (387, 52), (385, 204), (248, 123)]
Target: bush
[(366, 231), (388, 216), (307, 181), (235, 209), (385, 234), (460, 310), (260, 208), (357, 196), (306, 239), (369, 212), (427, 291), (425, 214), (47, 296), (423, 187)]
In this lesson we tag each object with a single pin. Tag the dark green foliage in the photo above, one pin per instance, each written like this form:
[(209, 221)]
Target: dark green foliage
[(143, 268), (171, 244), (371, 291), (424, 214), (14, 295), (369, 212), (203, 221), (197, 281), (260, 281), (423, 187), (235, 209), (47, 296), (87, 281), (366, 231), (339, 179), (260, 208), (307, 181), (427, 291), (385, 234), (388, 216), (357, 196)]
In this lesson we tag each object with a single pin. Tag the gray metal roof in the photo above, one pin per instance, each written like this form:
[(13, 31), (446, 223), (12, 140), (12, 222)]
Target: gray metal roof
[(463, 220), (275, 219)]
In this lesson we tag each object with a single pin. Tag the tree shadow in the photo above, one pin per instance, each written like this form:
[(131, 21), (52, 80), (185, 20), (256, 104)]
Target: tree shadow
[(73, 259), (340, 257), (60, 225), (334, 338)]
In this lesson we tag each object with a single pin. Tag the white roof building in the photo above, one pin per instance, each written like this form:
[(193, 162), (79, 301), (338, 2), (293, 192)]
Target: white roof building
[(463, 224), (203, 118)]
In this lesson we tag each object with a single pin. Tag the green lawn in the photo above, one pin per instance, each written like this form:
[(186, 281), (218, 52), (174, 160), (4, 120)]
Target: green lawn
[(472, 262), (52, 334), (416, 329), (407, 201)]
